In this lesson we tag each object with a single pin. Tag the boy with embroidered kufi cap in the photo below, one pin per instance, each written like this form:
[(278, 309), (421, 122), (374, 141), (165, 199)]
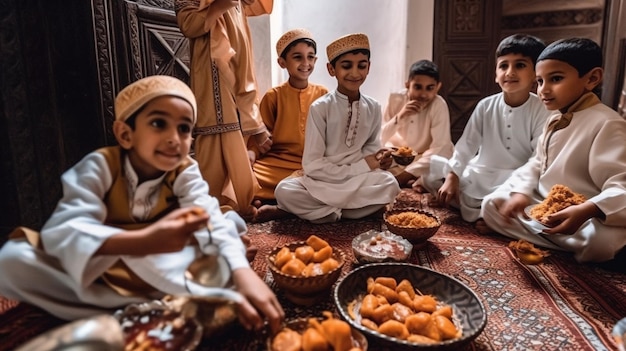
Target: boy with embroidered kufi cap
[(284, 110), (132, 219), (343, 160)]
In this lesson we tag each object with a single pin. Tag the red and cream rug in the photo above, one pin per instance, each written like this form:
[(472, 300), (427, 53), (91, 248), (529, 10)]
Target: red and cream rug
[(557, 305)]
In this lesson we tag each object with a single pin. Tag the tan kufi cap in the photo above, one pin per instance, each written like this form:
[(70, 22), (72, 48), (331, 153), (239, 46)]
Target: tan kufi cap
[(346, 44), (290, 37), (138, 93)]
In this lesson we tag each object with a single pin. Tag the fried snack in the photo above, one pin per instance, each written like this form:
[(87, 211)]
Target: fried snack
[(394, 329), (405, 314), (287, 340), (329, 334), (527, 252), (316, 242), (404, 151), (306, 260), (305, 253), (559, 198), (412, 219)]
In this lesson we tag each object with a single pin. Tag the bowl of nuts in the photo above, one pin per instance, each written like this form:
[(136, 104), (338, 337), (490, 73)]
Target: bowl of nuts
[(413, 224)]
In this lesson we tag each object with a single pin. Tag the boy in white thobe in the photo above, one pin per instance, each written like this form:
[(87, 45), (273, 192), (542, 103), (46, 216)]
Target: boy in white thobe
[(499, 137), (417, 117), (342, 160), (582, 147)]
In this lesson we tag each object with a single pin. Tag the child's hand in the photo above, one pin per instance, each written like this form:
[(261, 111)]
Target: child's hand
[(381, 159), (449, 191), (514, 205), (263, 141), (569, 220), (172, 232), (410, 108), (260, 302), (251, 157), (169, 234)]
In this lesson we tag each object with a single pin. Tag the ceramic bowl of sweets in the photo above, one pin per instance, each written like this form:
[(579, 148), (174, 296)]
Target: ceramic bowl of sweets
[(413, 224), (306, 270), (326, 332), (376, 246), (401, 306), (403, 155)]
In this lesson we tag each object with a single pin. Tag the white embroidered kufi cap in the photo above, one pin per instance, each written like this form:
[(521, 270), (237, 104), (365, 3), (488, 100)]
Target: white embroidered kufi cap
[(137, 94)]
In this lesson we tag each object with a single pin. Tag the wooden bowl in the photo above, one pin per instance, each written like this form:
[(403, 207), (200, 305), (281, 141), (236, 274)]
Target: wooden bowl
[(418, 236), (305, 290)]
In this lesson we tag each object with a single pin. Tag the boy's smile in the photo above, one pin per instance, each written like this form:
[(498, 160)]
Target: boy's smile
[(299, 63), (515, 75), (161, 138), (350, 71)]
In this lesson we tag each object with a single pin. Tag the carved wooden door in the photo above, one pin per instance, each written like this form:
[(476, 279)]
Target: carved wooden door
[(135, 39), (466, 34)]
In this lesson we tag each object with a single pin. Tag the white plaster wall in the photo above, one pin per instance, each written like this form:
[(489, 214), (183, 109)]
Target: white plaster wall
[(400, 32)]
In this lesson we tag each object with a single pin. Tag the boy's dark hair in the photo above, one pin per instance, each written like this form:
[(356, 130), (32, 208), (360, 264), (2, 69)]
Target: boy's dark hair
[(581, 53), (307, 41), (523, 44), (424, 67), (365, 52)]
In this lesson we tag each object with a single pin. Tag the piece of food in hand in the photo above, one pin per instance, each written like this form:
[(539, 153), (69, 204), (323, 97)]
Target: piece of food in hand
[(560, 197), (527, 252), (195, 211)]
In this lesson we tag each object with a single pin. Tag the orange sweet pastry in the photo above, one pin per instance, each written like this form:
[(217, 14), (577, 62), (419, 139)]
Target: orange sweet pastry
[(559, 198)]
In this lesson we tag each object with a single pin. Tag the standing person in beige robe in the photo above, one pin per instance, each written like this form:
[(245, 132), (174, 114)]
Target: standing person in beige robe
[(222, 78)]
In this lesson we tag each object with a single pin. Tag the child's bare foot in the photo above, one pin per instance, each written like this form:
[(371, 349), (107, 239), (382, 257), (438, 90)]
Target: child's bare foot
[(483, 228), (269, 212), (249, 215)]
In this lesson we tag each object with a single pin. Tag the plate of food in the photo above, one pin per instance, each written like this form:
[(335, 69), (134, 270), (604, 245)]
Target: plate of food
[(376, 246), (408, 307), (99, 333), (560, 197)]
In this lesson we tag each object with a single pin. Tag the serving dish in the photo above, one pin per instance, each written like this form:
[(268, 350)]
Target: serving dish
[(469, 310), (99, 333), (376, 246), (300, 325), (418, 236), (303, 290), (159, 324), (533, 225), (403, 160)]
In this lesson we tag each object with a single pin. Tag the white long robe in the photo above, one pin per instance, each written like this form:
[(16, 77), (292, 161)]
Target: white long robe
[(496, 140), (589, 157), (336, 176), (426, 132), (64, 279)]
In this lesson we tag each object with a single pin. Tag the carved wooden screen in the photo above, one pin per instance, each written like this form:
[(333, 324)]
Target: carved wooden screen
[(135, 39), (465, 37)]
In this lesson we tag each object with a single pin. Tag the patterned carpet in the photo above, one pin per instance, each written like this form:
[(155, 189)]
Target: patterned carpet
[(558, 305)]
